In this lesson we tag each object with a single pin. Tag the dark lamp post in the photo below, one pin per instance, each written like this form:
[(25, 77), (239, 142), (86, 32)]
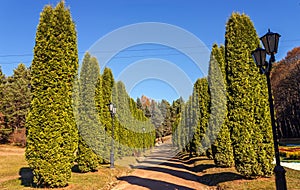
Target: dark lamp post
[(112, 111), (270, 42), (144, 139)]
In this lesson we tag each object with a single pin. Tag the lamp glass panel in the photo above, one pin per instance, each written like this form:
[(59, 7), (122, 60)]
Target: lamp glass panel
[(272, 40), (265, 41), (259, 56)]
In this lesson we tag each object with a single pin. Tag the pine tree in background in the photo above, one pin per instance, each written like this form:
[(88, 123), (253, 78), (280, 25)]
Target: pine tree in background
[(15, 103), (156, 118), (88, 117), (248, 109), (139, 104), (4, 131), (147, 112), (52, 133), (221, 148), (2, 83), (165, 108), (2, 76)]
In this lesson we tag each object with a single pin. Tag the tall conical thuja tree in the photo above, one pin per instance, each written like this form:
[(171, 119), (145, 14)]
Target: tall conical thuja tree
[(248, 109), (129, 124), (201, 89), (107, 82), (183, 128), (87, 114), (177, 109), (52, 133), (221, 148)]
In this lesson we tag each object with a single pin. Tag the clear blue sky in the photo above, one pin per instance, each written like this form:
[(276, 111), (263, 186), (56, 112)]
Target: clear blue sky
[(94, 19)]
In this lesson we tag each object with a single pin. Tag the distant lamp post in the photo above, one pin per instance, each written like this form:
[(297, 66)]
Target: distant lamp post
[(190, 137), (144, 139), (270, 42), (112, 111)]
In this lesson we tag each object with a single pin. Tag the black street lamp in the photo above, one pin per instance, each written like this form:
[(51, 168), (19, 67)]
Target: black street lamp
[(112, 111), (270, 42)]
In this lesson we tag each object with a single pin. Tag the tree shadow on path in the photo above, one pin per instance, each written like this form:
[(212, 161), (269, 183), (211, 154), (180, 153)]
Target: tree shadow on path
[(215, 179), (203, 167), (192, 171), (178, 168), (176, 163), (178, 173), (170, 164), (152, 184)]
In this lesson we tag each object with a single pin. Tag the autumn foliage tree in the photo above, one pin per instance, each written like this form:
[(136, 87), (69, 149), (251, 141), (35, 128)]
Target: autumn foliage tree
[(286, 91)]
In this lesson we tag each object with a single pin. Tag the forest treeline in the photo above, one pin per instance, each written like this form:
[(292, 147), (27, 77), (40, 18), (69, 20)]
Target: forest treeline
[(60, 110), (286, 91)]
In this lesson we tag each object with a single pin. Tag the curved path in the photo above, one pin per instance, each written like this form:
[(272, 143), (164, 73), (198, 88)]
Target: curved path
[(161, 171)]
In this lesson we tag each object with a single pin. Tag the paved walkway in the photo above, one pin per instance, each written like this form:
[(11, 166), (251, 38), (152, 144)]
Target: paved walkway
[(294, 166)]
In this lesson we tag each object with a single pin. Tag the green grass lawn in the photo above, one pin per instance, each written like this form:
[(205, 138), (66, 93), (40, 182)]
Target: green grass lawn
[(10, 165), (104, 178), (292, 177), (229, 179), (13, 165)]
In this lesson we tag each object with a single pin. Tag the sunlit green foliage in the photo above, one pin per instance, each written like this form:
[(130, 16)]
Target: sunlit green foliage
[(248, 107), (52, 133)]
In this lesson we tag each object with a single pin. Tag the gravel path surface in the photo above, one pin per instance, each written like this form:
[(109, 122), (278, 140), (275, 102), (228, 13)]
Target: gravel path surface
[(161, 171)]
